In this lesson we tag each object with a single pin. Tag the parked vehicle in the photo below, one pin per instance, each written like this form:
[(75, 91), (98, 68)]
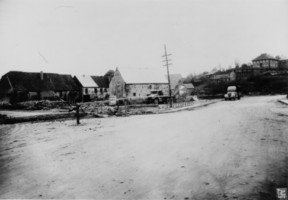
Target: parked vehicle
[(233, 93), (156, 97)]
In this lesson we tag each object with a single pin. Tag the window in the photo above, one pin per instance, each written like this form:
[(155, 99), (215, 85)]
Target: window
[(95, 90), (86, 90), (101, 90), (134, 94)]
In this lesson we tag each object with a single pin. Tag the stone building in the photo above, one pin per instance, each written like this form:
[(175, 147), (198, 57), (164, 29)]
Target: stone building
[(133, 83)]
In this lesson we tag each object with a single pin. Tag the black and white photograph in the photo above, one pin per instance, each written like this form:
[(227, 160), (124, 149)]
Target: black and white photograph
[(144, 99)]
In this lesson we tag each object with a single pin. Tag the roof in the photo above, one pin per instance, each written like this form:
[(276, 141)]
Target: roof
[(143, 75), (101, 81), (86, 81), (174, 80), (189, 85), (264, 56), (222, 72), (31, 81)]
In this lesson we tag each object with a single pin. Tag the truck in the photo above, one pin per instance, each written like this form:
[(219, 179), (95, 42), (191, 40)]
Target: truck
[(233, 93), (156, 97)]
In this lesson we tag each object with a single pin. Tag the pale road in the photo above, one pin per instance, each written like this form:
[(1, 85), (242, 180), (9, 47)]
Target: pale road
[(227, 150)]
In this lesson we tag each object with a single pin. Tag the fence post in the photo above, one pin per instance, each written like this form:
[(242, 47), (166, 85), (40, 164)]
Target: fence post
[(77, 114)]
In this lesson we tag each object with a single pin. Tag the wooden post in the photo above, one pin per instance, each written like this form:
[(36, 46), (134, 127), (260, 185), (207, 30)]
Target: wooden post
[(77, 114)]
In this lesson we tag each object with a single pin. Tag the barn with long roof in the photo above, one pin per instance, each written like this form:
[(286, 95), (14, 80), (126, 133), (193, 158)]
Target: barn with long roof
[(138, 82)]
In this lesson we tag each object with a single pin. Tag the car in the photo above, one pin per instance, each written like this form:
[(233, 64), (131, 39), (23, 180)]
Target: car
[(156, 97), (233, 93)]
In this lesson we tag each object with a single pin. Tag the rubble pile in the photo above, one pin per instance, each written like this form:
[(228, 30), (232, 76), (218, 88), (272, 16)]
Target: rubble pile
[(5, 105), (102, 109), (41, 105), (96, 108)]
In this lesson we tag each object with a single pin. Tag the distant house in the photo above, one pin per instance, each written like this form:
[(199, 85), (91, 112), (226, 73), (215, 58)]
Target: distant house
[(175, 79), (189, 88), (22, 86), (283, 63), (222, 76), (87, 87), (183, 89), (103, 86), (246, 72), (132, 83), (265, 61), (92, 87)]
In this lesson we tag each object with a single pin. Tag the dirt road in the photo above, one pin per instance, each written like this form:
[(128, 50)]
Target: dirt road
[(228, 150)]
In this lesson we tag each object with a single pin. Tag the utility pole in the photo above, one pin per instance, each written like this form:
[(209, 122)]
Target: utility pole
[(166, 64)]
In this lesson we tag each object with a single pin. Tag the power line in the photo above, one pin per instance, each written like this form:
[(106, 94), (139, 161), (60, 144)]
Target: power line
[(167, 63)]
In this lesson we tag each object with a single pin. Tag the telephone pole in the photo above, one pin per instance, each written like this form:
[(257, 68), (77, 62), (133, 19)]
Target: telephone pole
[(166, 64)]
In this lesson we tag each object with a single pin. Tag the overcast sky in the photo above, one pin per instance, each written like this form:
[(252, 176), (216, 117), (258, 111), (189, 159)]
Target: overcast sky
[(91, 36)]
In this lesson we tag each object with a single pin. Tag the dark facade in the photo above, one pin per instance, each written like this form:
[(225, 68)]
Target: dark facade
[(21, 86)]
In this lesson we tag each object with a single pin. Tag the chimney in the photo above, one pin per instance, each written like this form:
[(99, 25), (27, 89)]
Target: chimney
[(41, 75)]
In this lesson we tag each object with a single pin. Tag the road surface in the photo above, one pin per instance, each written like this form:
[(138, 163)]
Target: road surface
[(228, 150)]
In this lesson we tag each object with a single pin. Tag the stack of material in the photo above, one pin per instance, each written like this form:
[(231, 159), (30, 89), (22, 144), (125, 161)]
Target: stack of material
[(41, 105)]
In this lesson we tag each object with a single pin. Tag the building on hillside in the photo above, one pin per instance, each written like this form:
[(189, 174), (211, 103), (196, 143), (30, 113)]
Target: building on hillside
[(21, 86), (265, 61), (132, 83), (223, 76), (103, 86), (246, 72), (283, 64)]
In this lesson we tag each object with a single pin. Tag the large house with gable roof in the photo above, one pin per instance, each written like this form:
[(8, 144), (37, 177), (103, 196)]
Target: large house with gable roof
[(138, 82), (22, 86)]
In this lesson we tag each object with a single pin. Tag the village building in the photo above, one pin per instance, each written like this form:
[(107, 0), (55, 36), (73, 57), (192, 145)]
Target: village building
[(265, 61), (87, 87), (175, 80), (179, 87), (183, 89), (92, 87), (283, 64), (103, 86), (246, 72), (223, 76), (189, 87), (21, 86), (133, 83)]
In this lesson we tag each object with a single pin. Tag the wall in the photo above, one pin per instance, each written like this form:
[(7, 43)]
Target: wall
[(95, 92), (102, 92), (142, 90), (117, 85)]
